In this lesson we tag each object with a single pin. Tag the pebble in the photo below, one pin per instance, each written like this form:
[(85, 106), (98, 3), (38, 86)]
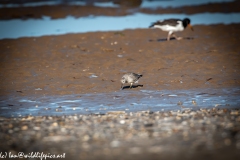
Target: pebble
[(234, 112), (115, 143), (55, 124), (86, 138), (132, 133), (116, 112), (10, 131), (135, 150), (122, 121), (155, 149), (238, 144), (57, 138), (227, 142), (24, 127), (36, 128)]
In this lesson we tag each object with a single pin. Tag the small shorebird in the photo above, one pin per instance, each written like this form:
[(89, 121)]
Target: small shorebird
[(171, 26), (130, 78)]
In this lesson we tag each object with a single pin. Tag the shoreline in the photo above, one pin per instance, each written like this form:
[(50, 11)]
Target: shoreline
[(124, 100)]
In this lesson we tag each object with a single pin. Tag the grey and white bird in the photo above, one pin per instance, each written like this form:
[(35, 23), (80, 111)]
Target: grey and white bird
[(171, 26), (130, 78)]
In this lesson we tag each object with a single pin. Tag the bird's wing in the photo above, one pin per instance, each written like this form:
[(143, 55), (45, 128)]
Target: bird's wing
[(136, 76), (171, 22)]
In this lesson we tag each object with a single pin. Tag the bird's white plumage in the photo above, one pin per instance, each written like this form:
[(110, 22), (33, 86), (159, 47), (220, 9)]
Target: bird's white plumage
[(177, 28)]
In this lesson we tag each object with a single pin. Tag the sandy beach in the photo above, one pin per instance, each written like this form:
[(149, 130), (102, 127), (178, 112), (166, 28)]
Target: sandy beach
[(63, 64)]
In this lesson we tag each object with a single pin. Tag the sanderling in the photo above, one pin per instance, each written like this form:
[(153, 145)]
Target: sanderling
[(171, 26), (130, 78)]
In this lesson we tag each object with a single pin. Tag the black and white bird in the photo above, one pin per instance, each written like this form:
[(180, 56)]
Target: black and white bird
[(172, 26), (130, 78)]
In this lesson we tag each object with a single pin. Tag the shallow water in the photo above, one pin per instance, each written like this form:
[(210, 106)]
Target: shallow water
[(37, 27), (125, 100)]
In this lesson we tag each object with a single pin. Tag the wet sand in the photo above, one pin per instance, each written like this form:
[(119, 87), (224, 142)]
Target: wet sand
[(208, 57)]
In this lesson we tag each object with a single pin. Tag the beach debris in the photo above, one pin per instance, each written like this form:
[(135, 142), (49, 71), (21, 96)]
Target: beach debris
[(107, 50), (114, 43), (93, 76), (208, 79)]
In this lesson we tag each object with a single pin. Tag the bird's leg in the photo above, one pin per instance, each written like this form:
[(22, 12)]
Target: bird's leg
[(122, 87), (177, 38), (131, 85), (169, 36)]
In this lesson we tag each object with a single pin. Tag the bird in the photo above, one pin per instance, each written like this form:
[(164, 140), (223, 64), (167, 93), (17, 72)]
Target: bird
[(130, 78), (172, 25)]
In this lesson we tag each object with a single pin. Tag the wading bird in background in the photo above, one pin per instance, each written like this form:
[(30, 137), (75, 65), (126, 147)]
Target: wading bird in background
[(171, 26)]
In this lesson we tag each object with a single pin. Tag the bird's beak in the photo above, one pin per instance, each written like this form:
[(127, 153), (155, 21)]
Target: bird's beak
[(189, 25)]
